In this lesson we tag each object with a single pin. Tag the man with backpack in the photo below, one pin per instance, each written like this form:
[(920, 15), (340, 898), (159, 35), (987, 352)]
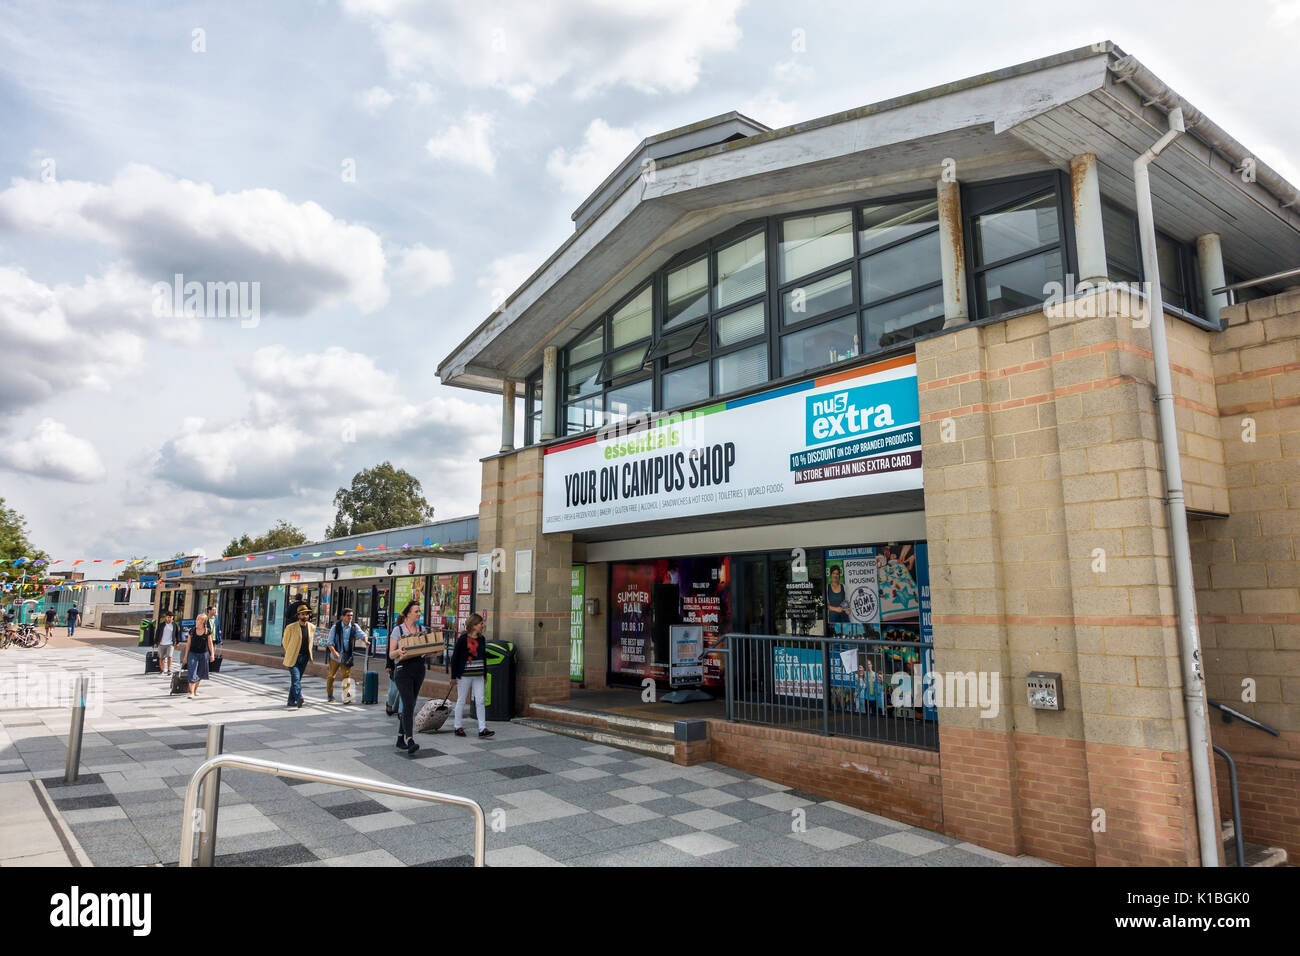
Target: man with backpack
[(342, 646)]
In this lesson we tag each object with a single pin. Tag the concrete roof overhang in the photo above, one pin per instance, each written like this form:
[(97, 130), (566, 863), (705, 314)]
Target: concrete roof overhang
[(1029, 117)]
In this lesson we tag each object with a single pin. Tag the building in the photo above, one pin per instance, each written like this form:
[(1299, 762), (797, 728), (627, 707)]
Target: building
[(373, 573), (877, 390)]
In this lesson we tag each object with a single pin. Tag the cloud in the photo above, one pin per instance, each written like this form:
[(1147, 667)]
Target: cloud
[(300, 254), (59, 339), (375, 100), (520, 46), (338, 412), (505, 274), (603, 147), (466, 144), (52, 452), (421, 269)]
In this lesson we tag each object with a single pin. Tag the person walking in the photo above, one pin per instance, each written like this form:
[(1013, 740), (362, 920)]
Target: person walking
[(343, 639), (297, 640), (393, 702), (469, 663), (74, 614), (167, 637), (408, 675), (50, 615), (198, 651)]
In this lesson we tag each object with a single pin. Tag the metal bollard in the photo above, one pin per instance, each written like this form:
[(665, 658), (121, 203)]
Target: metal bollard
[(73, 768), (211, 793)]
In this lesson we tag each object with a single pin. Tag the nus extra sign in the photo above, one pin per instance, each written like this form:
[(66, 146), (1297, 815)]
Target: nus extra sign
[(849, 434)]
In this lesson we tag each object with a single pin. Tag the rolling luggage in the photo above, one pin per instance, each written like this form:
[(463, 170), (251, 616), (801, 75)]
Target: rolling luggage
[(370, 691), (430, 718), (180, 684), (151, 663)]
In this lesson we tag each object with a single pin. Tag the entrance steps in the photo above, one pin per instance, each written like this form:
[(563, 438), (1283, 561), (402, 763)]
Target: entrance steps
[(653, 738), (1256, 855)]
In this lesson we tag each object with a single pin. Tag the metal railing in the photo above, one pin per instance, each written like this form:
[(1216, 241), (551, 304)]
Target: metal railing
[(834, 686), (1238, 836), (193, 822)]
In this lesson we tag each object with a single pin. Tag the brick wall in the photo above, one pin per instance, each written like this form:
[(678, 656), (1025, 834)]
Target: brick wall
[(901, 783), (1248, 565), (1049, 551), (510, 518)]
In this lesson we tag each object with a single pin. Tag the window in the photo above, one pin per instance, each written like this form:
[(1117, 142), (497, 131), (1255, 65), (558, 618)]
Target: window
[(740, 369), (742, 271), (533, 408), (832, 294), (820, 345), (739, 326), (811, 243), (901, 275), (1124, 258), (686, 386), (603, 377), (1017, 242), (688, 293)]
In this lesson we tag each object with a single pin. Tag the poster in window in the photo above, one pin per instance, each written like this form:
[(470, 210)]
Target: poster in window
[(651, 597), (900, 598)]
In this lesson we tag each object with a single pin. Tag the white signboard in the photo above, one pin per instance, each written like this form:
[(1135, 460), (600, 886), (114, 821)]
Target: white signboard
[(852, 433), (685, 661), (523, 572)]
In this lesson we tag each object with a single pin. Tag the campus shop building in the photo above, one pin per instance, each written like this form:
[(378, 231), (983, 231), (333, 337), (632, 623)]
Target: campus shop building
[(874, 394), (375, 574)]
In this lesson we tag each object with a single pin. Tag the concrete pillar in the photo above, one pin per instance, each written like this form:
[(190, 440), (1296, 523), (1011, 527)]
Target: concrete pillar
[(550, 358), (507, 416), (1209, 256), (952, 256), (1089, 240)]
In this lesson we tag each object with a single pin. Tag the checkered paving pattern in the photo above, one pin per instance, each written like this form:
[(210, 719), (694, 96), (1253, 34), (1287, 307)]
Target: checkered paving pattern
[(551, 800)]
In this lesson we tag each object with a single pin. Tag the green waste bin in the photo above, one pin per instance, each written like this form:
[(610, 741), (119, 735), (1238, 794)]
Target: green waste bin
[(146, 632), (499, 687)]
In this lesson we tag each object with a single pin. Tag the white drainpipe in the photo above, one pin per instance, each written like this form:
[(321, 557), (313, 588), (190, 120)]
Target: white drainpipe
[(1198, 737)]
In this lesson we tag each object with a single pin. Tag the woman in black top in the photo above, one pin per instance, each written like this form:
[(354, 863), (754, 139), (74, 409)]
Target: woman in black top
[(468, 668), (408, 675)]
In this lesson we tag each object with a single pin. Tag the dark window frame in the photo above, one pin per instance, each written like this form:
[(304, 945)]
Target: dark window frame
[(998, 194)]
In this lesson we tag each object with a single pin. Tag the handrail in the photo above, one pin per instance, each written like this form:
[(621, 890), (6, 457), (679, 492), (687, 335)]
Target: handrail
[(1237, 835), (257, 765), (1229, 713)]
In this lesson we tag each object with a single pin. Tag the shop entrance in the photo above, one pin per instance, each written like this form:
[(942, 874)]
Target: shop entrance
[(230, 614)]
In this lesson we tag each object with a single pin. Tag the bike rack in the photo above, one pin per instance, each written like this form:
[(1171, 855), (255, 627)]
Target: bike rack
[(192, 824)]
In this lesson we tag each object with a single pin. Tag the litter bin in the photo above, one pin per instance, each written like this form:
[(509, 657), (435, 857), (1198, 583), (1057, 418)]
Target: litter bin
[(499, 688), (146, 633)]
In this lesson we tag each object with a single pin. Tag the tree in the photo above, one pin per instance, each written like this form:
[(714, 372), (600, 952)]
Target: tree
[(283, 535), (131, 571), (381, 497), (14, 545)]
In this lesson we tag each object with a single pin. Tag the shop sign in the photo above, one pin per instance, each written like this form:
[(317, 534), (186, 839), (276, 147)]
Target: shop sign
[(299, 577), (229, 582), (848, 434), (797, 672)]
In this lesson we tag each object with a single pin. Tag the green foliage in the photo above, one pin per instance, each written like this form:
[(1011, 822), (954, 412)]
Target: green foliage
[(380, 498), (14, 543), (283, 535)]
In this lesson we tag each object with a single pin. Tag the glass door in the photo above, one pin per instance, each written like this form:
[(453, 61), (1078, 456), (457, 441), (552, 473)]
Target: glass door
[(275, 605)]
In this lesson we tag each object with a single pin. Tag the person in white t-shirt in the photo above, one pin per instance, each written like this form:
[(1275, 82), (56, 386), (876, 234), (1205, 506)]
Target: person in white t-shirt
[(168, 636)]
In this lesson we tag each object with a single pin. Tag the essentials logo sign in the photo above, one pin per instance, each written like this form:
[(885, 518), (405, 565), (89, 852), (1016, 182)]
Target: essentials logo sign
[(859, 411)]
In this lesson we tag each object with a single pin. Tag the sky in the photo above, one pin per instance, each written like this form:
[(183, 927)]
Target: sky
[(374, 175)]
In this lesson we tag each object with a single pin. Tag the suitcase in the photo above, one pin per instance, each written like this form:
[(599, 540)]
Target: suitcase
[(151, 663), (214, 665), (180, 683), (370, 693), (430, 718)]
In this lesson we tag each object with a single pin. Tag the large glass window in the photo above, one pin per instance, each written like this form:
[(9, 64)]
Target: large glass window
[(688, 293), (632, 322), (1124, 258), (627, 400), (824, 344), (831, 294), (742, 270), (811, 243), (686, 386), (741, 369), (1017, 242), (738, 326), (604, 361), (901, 272)]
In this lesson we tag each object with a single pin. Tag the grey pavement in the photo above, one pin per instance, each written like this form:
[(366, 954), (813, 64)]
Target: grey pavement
[(551, 800)]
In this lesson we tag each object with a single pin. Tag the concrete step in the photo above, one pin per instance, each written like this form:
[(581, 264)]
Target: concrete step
[(641, 726), (622, 739), (1256, 854)]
